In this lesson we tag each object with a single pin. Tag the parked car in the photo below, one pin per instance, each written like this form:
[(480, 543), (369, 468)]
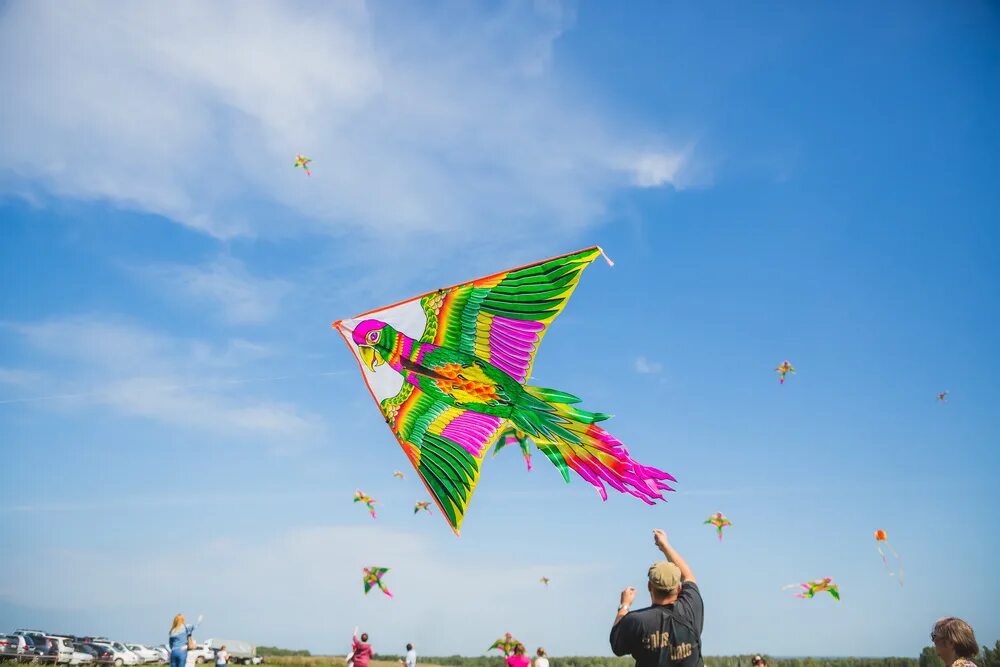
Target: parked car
[(64, 648), (102, 654), (9, 646), (43, 649), (146, 654), (119, 656), (201, 654), (81, 657), (164, 652)]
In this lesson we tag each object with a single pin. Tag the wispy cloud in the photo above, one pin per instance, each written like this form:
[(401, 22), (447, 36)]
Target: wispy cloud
[(647, 367), (18, 377), (419, 123), (179, 382), (225, 285)]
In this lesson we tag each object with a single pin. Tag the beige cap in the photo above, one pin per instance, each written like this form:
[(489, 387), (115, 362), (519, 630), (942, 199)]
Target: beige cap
[(664, 575)]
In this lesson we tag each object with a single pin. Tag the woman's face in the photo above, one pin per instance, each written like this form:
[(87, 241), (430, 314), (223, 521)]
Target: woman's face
[(941, 647)]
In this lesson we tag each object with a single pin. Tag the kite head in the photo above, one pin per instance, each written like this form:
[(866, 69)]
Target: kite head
[(375, 340), (880, 535)]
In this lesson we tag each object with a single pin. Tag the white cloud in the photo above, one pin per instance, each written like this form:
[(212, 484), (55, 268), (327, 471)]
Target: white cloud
[(224, 284), (648, 367), (653, 170), (418, 123), (178, 382)]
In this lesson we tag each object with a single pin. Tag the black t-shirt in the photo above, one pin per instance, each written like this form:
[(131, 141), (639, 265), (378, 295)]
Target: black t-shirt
[(664, 635)]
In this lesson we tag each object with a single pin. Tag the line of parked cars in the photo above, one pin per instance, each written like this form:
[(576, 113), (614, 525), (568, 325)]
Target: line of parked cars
[(37, 647)]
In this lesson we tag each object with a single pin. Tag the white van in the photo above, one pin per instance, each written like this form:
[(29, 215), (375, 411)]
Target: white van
[(240, 652)]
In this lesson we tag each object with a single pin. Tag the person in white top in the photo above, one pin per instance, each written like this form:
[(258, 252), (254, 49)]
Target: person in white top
[(411, 657), (541, 658), (221, 656)]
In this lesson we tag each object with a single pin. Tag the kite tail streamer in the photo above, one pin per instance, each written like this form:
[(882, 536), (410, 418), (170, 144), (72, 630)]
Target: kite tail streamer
[(570, 439)]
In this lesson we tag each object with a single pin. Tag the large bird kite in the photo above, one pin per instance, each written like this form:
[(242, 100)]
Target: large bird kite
[(449, 368)]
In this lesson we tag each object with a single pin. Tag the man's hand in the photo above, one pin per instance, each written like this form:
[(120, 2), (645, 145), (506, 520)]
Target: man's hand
[(628, 595), (660, 540)]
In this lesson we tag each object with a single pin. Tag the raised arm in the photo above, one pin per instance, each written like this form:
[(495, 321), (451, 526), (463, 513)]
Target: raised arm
[(660, 538)]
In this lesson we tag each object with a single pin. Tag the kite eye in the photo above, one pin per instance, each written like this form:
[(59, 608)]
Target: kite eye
[(372, 337)]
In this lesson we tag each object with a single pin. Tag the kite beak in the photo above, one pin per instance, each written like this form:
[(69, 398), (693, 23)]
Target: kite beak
[(370, 356)]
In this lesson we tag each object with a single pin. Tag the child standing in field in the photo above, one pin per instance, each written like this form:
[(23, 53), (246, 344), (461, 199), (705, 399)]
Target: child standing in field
[(541, 658), (221, 657)]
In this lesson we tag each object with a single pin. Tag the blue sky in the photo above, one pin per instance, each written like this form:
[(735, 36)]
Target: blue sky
[(184, 432)]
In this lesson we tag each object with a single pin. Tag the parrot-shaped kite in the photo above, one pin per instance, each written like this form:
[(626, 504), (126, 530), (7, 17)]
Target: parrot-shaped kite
[(448, 370), (545, 580), (303, 161), (505, 644), (509, 437), (942, 397), (784, 368), (881, 539), (817, 586), (399, 474), (361, 497), (372, 576), (719, 521), (425, 506)]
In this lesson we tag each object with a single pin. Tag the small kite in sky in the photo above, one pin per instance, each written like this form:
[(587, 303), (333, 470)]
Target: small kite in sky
[(425, 506), (399, 474), (785, 367), (942, 397), (719, 521), (505, 644), (817, 586), (373, 577), (544, 580), (509, 437), (881, 539), (449, 371), (362, 497), (303, 161)]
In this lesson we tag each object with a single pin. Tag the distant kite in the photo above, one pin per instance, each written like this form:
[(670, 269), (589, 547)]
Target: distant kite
[(372, 577), (942, 397), (784, 368), (719, 521), (545, 580), (361, 497), (303, 161), (506, 644), (425, 506), (398, 474), (811, 588), (880, 541), (509, 437)]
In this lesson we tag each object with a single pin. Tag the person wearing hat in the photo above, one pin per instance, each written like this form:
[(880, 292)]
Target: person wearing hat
[(668, 632)]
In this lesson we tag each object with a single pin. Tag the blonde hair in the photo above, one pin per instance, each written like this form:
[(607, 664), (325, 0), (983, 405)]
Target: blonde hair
[(959, 634), (178, 622)]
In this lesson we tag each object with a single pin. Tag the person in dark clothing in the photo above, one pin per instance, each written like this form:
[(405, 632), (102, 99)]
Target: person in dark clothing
[(668, 632)]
